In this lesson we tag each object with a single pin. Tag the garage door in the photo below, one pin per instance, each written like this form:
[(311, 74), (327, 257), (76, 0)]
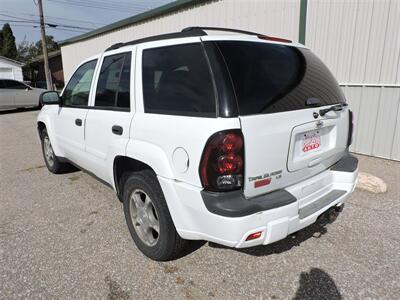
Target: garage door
[(6, 73)]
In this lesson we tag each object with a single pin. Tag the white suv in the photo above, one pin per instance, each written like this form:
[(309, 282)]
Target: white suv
[(206, 134)]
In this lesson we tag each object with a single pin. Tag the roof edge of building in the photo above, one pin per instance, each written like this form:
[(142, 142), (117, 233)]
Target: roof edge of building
[(156, 12), (12, 60)]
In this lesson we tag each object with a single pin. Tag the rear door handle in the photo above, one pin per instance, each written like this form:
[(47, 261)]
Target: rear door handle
[(78, 122), (118, 130)]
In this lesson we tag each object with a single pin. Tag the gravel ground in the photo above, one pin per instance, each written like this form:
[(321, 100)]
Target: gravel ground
[(64, 236)]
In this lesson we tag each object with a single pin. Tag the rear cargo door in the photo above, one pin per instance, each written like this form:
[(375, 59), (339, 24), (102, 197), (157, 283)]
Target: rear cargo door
[(282, 92)]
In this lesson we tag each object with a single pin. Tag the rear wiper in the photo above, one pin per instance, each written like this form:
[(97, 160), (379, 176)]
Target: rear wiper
[(337, 107)]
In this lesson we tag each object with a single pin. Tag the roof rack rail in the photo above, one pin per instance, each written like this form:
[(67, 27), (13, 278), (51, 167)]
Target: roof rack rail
[(173, 35), (220, 29), (259, 35), (193, 32)]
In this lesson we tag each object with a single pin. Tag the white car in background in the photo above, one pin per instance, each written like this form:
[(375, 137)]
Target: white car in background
[(16, 94)]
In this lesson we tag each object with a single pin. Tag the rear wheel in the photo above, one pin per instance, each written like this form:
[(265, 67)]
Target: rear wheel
[(52, 161), (148, 218)]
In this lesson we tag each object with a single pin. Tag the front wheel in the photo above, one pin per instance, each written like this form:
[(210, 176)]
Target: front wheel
[(52, 161), (148, 218)]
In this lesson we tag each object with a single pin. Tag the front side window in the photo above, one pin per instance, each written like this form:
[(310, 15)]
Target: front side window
[(12, 84), (77, 91), (177, 81), (113, 87)]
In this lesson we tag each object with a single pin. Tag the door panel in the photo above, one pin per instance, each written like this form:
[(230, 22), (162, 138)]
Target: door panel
[(71, 116), (20, 91), (102, 144), (70, 135), (6, 98), (109, 118)]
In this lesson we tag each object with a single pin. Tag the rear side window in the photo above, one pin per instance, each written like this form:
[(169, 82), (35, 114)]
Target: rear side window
[(270, 78), (177, 81), (113, 87)]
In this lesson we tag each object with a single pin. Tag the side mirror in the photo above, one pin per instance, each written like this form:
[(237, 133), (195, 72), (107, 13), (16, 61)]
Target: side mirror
[(49, 98)]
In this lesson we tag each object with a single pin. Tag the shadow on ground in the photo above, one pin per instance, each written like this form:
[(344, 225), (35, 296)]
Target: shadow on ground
[(17, 110), (315, 230), (317, 284)]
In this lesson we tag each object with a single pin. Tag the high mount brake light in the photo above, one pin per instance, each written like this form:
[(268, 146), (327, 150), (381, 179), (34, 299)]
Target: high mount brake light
[(222, 162), (273, 38)]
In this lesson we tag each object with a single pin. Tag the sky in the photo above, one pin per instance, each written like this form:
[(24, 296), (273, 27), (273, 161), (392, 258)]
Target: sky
[(72, 17)]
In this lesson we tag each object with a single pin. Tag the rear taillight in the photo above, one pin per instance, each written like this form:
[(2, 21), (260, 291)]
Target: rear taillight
[(351, 128), (222, 163)]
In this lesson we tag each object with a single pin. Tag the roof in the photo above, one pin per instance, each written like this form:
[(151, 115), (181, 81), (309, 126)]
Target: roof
[(156, 12), (51, 54), (12, 61)]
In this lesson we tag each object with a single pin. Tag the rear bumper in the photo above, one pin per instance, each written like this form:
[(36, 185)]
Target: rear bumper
[(276, 214)]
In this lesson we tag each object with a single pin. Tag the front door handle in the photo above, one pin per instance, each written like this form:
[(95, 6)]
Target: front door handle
[(118, 130), (78, 122)]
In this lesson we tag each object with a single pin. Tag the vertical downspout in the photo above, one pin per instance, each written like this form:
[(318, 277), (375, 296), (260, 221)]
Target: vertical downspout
[(303, 21)]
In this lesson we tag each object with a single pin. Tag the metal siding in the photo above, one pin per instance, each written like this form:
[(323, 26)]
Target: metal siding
[(273, 17), (358, 40), (396, 140), (366, 120), (385, 128), (360, 43)]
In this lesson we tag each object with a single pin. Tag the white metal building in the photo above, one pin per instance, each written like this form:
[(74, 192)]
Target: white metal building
[(10, 69), (359, 40)]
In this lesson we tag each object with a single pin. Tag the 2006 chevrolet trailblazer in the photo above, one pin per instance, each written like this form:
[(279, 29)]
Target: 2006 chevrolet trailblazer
[(206, 134)]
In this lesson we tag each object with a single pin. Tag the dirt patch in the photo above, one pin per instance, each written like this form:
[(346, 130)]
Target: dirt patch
[(179, 280), (115, 290), (33, 168), (169, 269), (74, 178)]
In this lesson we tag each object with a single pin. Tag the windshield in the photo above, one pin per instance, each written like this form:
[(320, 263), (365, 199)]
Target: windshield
[(270, 78)]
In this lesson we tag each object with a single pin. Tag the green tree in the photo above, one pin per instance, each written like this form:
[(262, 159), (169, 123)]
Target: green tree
[(29, 51), (1, 41), (52, 45), (9, 48)]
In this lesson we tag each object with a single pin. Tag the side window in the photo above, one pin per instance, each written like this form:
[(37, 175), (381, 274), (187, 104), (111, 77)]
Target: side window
[(177, 81), (2, 86), (113, 87), (77, 91), (12, 84)]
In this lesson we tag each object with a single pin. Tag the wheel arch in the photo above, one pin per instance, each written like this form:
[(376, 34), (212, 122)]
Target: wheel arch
[(40, 126), (122, 166)]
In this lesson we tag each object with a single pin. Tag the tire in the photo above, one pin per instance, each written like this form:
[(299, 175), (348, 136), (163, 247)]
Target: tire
[(53, 163), (143, 187)]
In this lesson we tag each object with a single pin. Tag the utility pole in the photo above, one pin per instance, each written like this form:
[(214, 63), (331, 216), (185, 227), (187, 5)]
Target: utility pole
[(44, 46)]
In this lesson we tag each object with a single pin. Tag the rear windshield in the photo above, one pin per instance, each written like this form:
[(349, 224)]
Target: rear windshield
[(270, 78)]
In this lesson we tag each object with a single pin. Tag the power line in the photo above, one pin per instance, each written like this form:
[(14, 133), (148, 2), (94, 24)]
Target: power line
[(105, 6), (58, 18), (36, 26), (48, 24)]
